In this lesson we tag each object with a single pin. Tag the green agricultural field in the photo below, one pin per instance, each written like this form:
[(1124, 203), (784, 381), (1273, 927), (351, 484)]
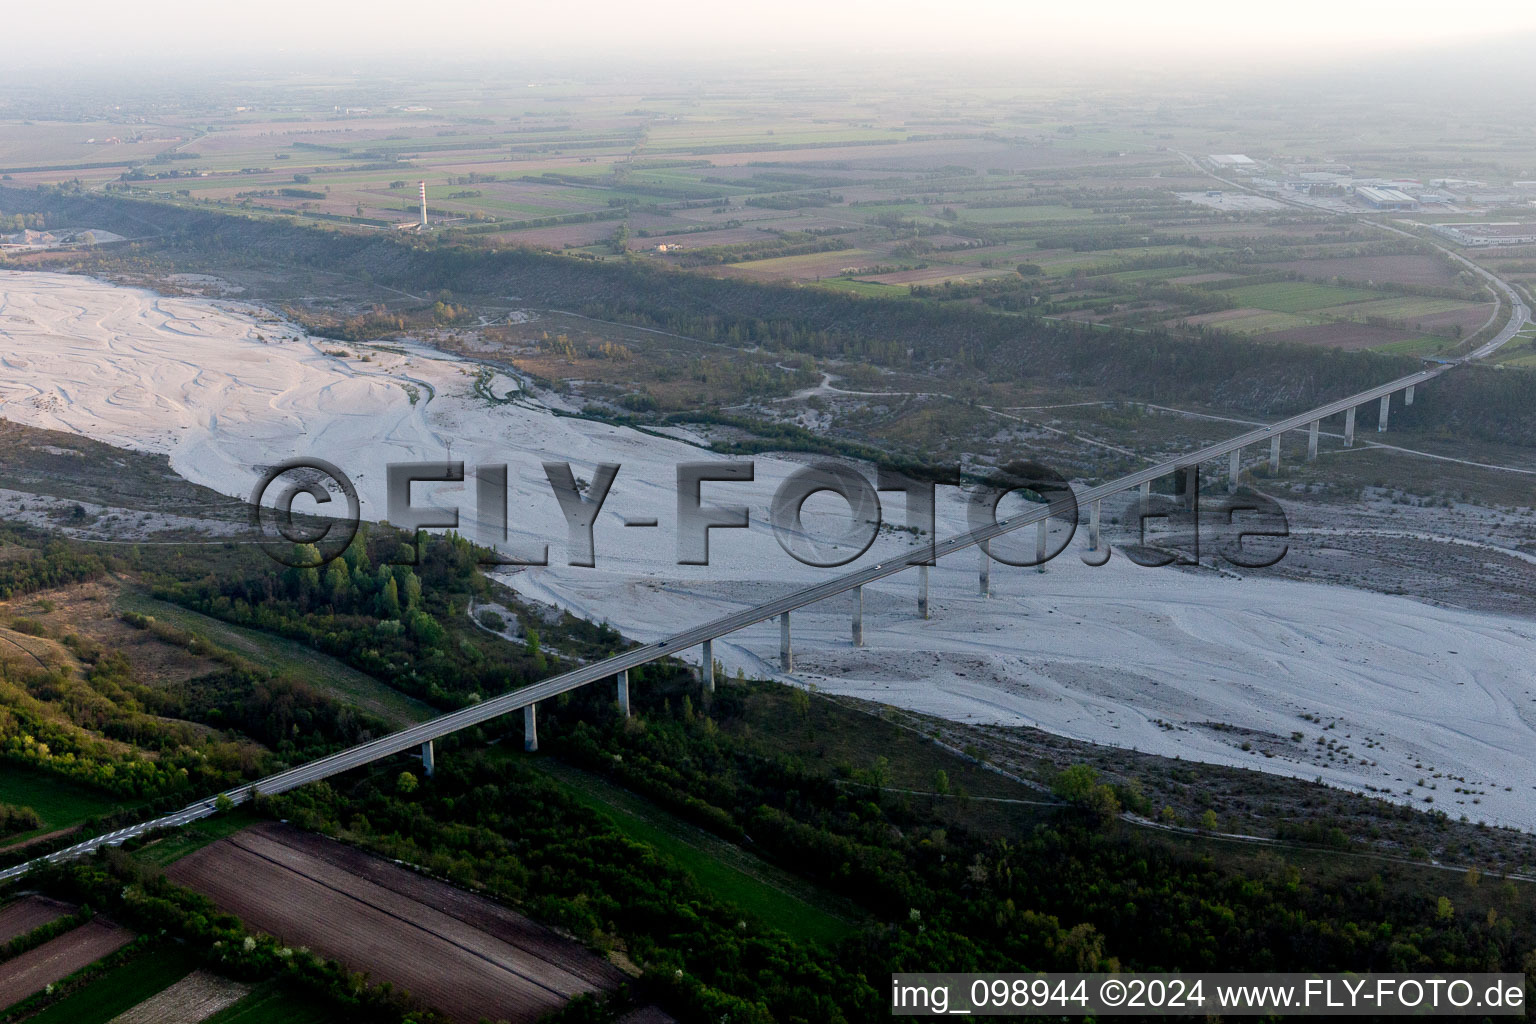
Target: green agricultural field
[(1294, 296), (1061, 264), (715, 136), (1264, 323), (1415, 347), (934, 275), (1520, 351), (195, 836), (121, 988), (273, 652), (1029, 214), (59, 803), (805, 264), (853, 286), (1095, 300), (1142, 251), (769, 893), (273, 1004), (1004, 255), (592, 170), (1155, 274), (577, 196), (486, 203), (898, 209), (1404, 308), (195, 185)]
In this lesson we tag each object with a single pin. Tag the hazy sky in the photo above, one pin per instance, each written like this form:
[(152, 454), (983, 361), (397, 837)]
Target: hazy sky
[(1147, 31)]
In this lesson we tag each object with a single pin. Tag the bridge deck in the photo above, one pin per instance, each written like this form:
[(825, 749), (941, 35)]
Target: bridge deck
[(413, 736)]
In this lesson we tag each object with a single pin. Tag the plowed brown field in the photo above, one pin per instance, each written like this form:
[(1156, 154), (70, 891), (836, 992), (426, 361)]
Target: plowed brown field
[(460, 953), (21, 916), (59, 958)]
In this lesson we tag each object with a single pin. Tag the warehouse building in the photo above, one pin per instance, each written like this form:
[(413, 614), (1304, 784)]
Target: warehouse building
[(1386, 198), (1497, 233)]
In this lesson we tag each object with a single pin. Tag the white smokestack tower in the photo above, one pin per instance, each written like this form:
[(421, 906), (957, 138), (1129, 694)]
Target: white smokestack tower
[(423, 204)]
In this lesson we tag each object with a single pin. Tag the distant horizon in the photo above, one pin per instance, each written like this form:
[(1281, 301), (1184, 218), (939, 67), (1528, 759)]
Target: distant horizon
[(1469, 74), (1190, 35)]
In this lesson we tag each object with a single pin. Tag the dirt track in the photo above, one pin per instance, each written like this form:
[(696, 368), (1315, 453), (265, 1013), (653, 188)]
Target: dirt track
[(457, 952)]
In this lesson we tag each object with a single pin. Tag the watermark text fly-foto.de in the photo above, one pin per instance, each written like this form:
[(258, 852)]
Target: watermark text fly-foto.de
[(1246, 530)]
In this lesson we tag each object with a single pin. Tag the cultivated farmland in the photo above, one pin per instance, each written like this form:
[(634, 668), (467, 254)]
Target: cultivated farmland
[(1294, 296), (59, 958), (23, 915), (126, 985), (273, 1004), (460, 953), (194, 998)]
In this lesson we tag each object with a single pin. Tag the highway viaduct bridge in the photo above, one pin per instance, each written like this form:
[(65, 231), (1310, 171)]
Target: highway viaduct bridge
[(421, 736)]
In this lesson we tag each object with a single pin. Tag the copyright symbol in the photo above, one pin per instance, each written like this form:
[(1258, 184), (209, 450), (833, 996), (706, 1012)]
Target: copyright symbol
[(1112, 992), (274, 524)]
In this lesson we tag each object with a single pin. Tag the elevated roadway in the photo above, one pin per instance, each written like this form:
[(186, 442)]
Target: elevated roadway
[(422, 734)]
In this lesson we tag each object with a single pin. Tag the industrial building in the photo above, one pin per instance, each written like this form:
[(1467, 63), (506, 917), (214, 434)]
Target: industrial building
[(417, 225), (1497, 233), (1386, 198)]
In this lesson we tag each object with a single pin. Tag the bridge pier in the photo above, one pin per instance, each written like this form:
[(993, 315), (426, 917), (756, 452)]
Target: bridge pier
[(1386, 407), (1349, 427), (858, 616), (1234, 467), (623, 678), (428, 763), (786, 652), (1274, 455), (1146, 493), (391, 745), (1042, 531), (922, 591), (1191, 486), (1408, 395), (985, 569), (1093, 524), (707, 669)]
